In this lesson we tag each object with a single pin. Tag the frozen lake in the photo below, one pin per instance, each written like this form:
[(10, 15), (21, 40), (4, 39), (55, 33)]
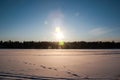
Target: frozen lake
[(84, 64)]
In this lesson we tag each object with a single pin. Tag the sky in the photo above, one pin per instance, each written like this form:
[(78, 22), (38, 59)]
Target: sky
[(78, 20)]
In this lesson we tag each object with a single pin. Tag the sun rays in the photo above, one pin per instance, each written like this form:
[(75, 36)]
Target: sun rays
[(59, 35)]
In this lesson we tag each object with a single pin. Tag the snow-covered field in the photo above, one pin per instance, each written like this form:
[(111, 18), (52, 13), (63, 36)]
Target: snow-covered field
[(59, 64)]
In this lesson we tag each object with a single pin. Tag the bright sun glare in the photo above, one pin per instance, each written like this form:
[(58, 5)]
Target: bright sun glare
[(59, 34)]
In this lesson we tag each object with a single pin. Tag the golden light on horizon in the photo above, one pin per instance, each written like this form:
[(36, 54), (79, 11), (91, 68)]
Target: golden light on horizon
[(61, 43)]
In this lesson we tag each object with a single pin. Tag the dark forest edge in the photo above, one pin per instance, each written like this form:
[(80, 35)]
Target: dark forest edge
[(55, 45)]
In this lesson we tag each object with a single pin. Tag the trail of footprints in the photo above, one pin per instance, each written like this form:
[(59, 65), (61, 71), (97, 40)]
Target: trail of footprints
[(69, 72), (42, 66), (39, 67), (55, 69), (46, 68)]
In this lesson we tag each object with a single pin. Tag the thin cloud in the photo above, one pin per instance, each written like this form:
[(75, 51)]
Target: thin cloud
[(99, 31)]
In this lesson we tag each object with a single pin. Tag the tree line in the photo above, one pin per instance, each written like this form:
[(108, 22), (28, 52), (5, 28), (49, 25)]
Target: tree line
[(55, 45)]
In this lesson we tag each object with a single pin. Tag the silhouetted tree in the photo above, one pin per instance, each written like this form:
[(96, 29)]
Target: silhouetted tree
[(55, 45)]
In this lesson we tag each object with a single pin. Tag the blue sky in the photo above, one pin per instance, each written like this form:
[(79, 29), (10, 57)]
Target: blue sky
[(79, 20)]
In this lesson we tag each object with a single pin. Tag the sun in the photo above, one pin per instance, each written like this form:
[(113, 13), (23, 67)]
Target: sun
[(59, 34)]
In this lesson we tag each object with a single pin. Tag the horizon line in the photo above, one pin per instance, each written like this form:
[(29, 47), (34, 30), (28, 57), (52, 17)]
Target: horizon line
[(55, 41)]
